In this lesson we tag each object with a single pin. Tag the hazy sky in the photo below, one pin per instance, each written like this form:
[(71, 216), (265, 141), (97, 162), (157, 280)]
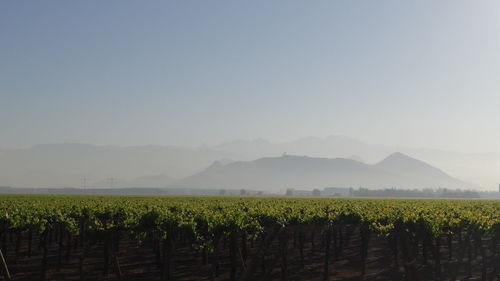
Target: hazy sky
[(415, 73)]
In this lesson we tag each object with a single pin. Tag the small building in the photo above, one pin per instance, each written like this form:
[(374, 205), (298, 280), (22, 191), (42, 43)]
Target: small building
[(336, 191)]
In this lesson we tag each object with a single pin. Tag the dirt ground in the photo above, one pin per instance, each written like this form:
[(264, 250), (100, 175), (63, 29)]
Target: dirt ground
[(139, 262)]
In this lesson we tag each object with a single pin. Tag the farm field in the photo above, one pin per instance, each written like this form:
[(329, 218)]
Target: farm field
[(90, 237)]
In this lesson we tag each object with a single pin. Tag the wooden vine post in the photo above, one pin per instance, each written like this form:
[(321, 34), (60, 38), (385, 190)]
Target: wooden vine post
[(5, 269)]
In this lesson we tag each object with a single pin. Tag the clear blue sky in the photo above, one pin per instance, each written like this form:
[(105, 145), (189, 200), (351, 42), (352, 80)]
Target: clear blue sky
[(416, 73)]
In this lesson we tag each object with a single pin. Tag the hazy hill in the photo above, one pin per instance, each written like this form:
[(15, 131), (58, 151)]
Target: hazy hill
[(57, 165), (403, 164), (279, 173), (479, 168), (419, 173)]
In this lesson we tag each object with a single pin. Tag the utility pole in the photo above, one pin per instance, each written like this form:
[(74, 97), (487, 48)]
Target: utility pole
[(111, 181), (84, 183)]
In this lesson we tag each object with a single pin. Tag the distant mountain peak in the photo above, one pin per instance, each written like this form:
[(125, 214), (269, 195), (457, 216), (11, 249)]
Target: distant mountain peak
[(398, 155), (294, 171), (398, 158), (405, 165), (357, 158), (215, 165)]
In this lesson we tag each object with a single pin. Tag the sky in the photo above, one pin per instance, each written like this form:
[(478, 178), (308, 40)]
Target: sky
[(414, 73)]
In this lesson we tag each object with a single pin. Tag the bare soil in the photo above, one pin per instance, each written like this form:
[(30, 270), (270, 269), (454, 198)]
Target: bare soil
[(139, 261)]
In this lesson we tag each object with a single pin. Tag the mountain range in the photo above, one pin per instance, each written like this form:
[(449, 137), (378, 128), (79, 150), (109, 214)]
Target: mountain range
[(301, 172), (70, 164)]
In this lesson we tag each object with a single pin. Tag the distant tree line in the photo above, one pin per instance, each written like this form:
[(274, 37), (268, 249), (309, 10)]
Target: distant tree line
[(425, 193)]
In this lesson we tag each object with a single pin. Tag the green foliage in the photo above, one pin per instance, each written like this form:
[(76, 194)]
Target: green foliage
[(203, 220)]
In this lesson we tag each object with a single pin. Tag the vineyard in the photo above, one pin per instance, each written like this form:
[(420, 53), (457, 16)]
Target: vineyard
[(52, 237)]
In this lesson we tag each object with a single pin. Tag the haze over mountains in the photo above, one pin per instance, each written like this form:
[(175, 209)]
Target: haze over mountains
[(301, 172), (58, 165)]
